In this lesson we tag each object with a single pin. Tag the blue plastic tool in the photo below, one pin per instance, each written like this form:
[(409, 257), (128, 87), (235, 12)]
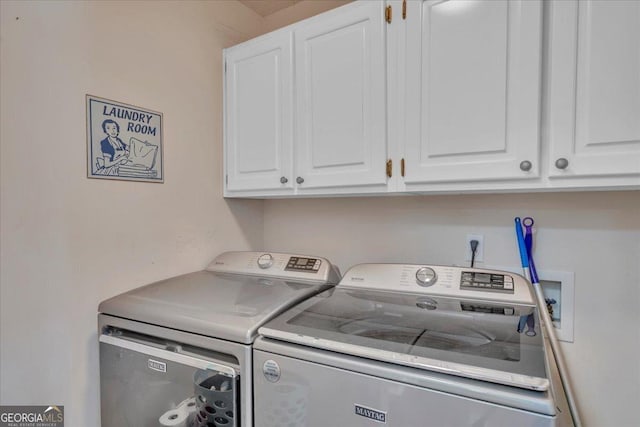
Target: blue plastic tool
[(524, 255), (528, 243)]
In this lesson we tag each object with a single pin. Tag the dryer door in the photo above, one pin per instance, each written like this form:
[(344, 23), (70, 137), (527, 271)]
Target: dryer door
[(145, 382)]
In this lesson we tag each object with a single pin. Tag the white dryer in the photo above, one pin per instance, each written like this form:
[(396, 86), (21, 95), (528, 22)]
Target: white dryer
[(410, 345), (178, 352)]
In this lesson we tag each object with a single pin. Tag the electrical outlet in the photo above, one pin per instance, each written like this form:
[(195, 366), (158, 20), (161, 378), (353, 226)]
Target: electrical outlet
[(479, 251)]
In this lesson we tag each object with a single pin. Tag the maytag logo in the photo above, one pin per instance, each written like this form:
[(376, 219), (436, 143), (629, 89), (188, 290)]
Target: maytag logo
[(357, 279), (157, 366), (372, 414)]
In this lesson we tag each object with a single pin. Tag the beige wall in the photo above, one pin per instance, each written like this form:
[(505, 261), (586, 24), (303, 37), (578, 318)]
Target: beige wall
[(595, 235), (68, 242)]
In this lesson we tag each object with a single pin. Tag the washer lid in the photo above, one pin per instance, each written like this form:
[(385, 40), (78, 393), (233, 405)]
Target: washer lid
[(489, 341), (219, 305)]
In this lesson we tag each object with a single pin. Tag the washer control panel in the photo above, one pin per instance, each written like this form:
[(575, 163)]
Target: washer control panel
[(459, 282), (475, 280), (310, 265)]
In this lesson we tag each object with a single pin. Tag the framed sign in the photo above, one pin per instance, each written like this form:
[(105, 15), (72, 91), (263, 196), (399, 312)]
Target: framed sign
[(123, 141)]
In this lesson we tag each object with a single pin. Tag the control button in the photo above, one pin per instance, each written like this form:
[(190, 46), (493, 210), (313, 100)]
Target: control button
[(426, 276), (265, 261), (508, 286)]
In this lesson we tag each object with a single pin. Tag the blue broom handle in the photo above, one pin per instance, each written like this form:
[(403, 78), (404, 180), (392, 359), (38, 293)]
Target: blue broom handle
[(524, 256)]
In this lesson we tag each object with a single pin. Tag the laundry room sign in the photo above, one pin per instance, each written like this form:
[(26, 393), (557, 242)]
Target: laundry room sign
[(123, 141)]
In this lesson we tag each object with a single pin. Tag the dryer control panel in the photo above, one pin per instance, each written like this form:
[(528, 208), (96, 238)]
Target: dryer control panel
[(276, 265), (441, 280)]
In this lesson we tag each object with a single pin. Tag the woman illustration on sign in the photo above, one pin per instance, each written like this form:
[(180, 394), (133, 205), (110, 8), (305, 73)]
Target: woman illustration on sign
[(114, 150)]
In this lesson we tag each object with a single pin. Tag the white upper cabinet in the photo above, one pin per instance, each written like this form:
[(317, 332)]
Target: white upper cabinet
[(258, 115), (594, 90), (472, 90), (460, 95), (341, 99)]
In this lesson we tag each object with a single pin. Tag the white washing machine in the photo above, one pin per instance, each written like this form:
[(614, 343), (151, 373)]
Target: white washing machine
[(178, 352), (410, 345)]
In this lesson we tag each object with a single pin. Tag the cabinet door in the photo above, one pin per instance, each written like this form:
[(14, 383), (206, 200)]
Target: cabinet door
[(340, 111), (472, 92), (258, 108), (594, 88)]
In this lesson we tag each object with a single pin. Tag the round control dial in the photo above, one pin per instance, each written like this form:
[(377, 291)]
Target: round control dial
[(265, 261), (426, 276)]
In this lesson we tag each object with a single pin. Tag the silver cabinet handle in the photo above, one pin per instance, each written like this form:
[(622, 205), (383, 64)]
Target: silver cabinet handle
[(525, 165), (299, 180), (283, 180), (562, 163)]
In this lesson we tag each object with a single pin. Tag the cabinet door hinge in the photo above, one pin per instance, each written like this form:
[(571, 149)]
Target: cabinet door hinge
[(402, 167), (404, 9), (226, 179), (387, 14), (389, 168)]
